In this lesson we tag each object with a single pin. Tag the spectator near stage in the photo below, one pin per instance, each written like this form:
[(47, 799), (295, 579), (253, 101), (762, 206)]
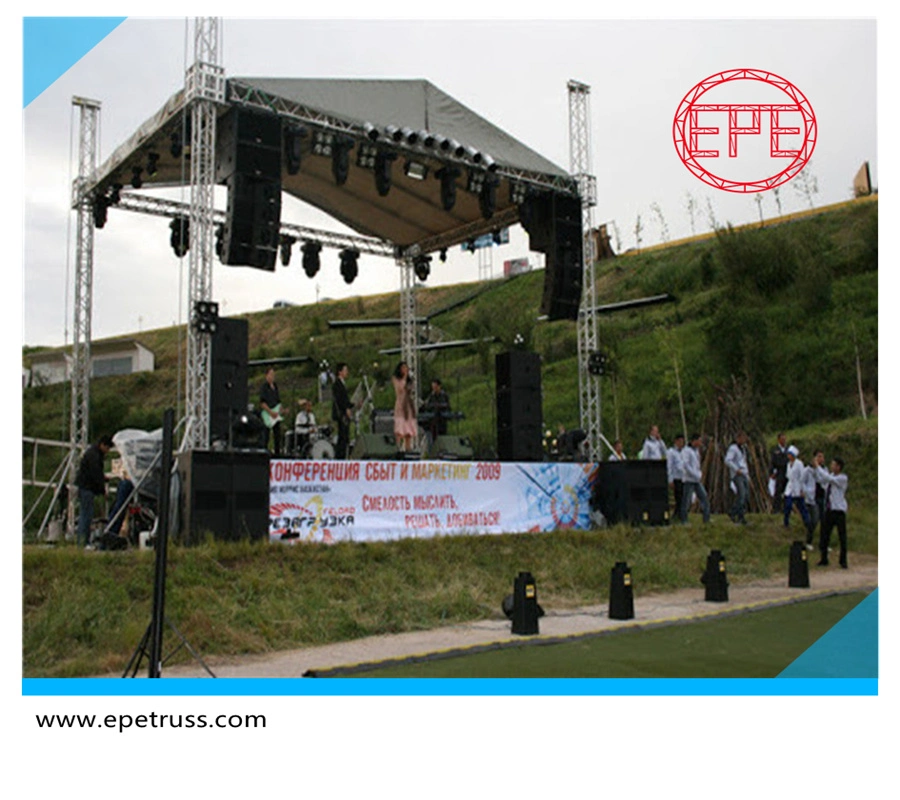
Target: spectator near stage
[(654, 447), (91, 482), (675, 472), (778, 472)]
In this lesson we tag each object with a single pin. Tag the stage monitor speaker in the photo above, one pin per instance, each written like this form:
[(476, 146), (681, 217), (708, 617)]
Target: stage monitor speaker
[(374, 445), (451, 448), (225, 494), (228, 393), (383, 420)]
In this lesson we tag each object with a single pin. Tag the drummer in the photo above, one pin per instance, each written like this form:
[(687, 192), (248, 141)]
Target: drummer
[(304, 424)]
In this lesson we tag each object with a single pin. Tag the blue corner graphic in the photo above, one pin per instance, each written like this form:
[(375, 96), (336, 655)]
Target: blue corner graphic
[(50, 45), (848, 650)]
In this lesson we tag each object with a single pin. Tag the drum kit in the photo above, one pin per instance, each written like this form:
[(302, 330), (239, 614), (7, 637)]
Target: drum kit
[(316, 445)]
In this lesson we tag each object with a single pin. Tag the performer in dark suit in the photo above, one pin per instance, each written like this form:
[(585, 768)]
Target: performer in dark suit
[(270, 402), (438, 404), (341, 410)]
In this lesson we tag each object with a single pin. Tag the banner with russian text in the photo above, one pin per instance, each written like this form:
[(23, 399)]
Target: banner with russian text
[(331, 501)]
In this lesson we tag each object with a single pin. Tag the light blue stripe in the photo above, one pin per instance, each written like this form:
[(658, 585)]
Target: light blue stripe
[(50, 45), (376, 687), (848, 650)]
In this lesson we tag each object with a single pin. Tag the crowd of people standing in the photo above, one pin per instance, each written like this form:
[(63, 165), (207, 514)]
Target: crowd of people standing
[(817, 493)]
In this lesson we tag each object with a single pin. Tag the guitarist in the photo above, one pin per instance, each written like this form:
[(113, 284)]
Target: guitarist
[(270, 403)]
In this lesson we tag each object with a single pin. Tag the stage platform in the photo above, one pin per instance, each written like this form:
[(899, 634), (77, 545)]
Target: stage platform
[(332, 501)]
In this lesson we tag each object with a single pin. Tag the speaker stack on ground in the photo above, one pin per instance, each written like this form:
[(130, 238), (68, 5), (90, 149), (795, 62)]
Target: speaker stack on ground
[(553, 222), (228, 394), (223, 493), (632, 491), (519, 415), (248, 161), (452, 448)]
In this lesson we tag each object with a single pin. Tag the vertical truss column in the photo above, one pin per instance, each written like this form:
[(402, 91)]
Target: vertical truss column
[(580, 162), (204, 89), (408, 332), (79, 421)]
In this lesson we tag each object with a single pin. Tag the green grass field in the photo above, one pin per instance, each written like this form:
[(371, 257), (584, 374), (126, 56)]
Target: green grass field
[(757, 644)]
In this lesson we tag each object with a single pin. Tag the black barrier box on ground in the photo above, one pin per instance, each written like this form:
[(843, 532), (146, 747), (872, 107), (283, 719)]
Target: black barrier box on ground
[(621, 593), (223, 493), (525, 605), (715, 578), (632, 491), (798, 569)]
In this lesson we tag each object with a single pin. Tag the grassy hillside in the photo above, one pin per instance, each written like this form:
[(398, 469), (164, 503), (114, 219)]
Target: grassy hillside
[(783, 308)]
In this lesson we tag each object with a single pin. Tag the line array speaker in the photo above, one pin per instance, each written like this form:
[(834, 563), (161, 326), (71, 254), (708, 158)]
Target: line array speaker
[(248, 162), (553, 222)]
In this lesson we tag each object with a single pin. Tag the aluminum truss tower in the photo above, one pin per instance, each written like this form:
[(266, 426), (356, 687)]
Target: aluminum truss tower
[(204, 90), (84, 277), (580, 163), (408, 324)]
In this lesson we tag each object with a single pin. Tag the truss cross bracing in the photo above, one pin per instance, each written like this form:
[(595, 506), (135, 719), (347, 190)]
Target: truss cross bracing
[(580, 155), (408, 326)]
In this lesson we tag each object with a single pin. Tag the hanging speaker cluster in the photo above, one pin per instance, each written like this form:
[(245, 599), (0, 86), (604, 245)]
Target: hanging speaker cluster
[(248, 160)]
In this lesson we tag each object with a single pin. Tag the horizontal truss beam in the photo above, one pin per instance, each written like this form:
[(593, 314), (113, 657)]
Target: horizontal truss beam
[(157, 206)]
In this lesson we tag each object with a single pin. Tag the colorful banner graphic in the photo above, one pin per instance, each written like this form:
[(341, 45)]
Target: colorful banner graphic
[(332, 501)]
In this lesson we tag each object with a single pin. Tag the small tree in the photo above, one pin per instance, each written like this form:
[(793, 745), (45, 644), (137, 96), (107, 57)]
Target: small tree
[(638, 227), (691, 207), (663, 228), (711, 216), (806, 185)]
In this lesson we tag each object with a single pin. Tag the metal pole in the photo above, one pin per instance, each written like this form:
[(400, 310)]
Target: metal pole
[(162, 540)]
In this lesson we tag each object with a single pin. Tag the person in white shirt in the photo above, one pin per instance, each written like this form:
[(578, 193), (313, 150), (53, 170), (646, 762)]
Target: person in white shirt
[(304, 424), (835, 510), (654, 447), (809, 499), (675, 471), (693, 477), (618, 454), (736, 461), (793, 491)]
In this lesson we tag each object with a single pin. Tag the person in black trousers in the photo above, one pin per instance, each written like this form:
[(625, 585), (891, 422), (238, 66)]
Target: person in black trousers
[(835, 510), (270, 402), (91, 481), (341, 410)]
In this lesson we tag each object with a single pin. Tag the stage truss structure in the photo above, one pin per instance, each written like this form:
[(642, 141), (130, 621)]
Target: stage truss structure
[(206, 91), (580, 165), (79, 418)]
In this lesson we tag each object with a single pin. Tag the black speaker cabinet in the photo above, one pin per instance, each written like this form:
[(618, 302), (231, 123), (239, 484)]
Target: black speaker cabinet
[(225, 494), (374, 445), (252, 223), (248, 141), (553, 222), (519, 412), (228, 392), (632, 491)]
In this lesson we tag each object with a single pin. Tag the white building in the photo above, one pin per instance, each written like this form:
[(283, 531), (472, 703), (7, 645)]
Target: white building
[(117, 357)]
